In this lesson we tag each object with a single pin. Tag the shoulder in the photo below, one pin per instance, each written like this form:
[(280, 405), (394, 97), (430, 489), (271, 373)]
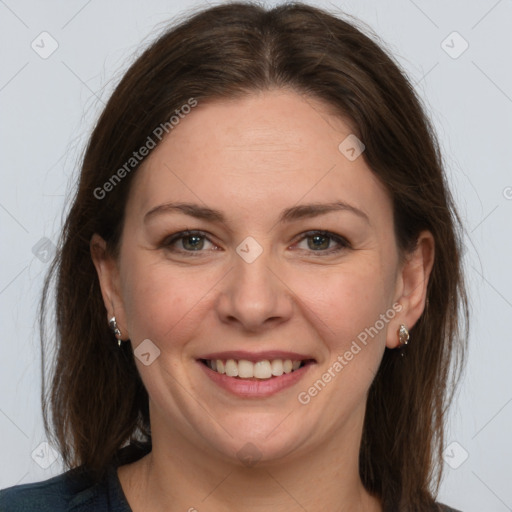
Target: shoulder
[(75, 490), (71, 491), (45, 495)]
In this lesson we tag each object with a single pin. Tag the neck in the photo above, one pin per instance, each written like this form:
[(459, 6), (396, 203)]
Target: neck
[(178, 476)]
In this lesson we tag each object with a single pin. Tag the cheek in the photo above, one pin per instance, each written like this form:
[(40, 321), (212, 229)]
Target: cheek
[(347, 303), (161, 301), (345, 306)]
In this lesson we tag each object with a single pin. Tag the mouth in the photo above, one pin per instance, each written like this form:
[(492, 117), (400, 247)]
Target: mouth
[(263, 369), (249, 375)]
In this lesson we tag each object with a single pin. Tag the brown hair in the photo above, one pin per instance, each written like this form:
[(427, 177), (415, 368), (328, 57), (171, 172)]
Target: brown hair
[(96, 399)]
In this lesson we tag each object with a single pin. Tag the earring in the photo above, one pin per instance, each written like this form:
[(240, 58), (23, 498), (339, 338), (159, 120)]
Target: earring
[(115, 329), (403, 335)]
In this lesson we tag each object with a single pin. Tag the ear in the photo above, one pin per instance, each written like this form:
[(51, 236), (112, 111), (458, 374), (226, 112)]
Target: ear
[(108, 275), (412, 285)]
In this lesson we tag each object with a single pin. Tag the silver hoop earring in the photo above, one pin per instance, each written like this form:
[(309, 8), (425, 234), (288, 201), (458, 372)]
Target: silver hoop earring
[(403, 335), (115, 329)]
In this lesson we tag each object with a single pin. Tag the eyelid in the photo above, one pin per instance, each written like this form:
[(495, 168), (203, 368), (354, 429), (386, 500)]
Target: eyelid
[(342, 242), (169, 240), (185, 232)]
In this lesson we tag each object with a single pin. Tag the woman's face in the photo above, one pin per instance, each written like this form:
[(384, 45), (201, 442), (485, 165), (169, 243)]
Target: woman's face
[(292, 256)]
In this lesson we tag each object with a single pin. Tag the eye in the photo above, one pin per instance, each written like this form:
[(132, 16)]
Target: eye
[(188, 241), (323, 242)]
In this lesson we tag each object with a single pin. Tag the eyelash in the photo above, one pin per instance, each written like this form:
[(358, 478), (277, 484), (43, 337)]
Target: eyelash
[(172, 239)]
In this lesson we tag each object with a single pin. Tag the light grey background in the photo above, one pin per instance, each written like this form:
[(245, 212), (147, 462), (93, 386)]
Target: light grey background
[(48, 106)]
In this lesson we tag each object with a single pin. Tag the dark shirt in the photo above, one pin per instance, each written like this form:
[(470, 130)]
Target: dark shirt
[(65, 493), (75, 491)]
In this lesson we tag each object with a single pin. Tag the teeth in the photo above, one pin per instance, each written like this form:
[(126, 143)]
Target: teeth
[(245, 369), (277, 367), (262, 370), (231, 368), (221, 367)]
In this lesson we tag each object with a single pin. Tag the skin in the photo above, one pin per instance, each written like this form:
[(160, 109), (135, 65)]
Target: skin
[(251, 158)]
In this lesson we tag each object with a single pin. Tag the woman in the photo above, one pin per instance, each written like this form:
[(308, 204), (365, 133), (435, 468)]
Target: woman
[(259, 288)]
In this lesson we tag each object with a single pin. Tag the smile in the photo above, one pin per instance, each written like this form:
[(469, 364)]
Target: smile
[(260, 375), (244, 369)]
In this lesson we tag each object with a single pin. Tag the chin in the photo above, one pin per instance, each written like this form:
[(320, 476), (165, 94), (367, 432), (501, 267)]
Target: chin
[(254, 441)]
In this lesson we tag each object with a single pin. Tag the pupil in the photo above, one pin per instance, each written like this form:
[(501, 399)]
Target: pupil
[(193, 242), (319, 242)]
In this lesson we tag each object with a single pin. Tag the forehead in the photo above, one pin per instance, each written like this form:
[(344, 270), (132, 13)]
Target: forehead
[(267, 150)]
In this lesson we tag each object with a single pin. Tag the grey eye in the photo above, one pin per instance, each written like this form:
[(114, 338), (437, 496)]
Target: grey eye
[(192, 242)]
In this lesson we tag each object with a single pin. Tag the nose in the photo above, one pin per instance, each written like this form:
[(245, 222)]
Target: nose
[(253, 297)]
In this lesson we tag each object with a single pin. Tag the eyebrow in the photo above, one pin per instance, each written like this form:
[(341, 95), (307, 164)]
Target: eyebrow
[(288, 215)]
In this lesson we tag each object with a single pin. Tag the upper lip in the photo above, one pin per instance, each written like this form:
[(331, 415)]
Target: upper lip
[(256, 356)]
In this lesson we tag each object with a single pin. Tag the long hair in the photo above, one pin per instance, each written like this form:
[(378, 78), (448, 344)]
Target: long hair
[(95, 401)]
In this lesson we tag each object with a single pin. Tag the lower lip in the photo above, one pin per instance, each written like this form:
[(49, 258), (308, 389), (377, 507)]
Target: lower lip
[(255, 388)]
